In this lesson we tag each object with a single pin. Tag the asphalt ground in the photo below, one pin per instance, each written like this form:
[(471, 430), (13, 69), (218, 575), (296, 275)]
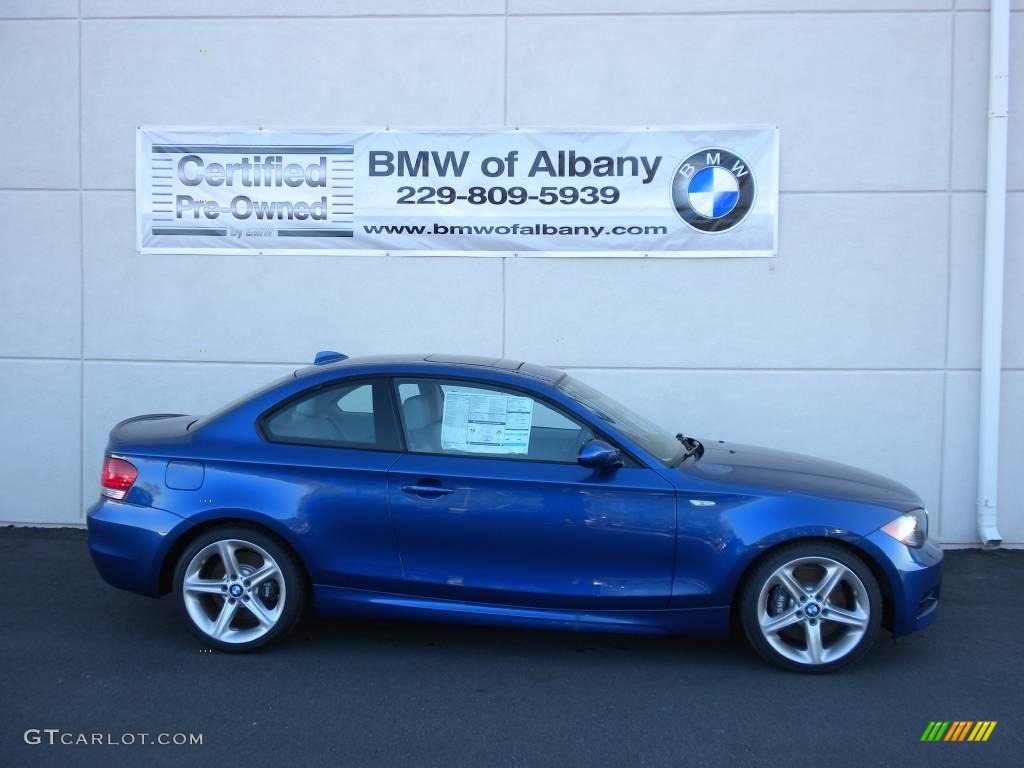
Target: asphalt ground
[(79, 656)]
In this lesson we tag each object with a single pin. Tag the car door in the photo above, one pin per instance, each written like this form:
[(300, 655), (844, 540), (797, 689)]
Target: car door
[(330, 448), (490, 505)]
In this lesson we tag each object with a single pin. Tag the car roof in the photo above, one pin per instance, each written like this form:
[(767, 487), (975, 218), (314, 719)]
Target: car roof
[(420, 363)]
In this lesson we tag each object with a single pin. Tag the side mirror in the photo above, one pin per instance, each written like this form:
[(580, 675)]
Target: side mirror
[(597, 454)]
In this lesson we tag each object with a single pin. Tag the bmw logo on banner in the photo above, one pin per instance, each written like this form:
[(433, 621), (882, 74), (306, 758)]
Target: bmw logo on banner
[(713, 190)]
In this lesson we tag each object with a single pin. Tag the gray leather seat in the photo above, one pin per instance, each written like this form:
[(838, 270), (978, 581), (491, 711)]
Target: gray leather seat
[(422, 430), (306, 421)]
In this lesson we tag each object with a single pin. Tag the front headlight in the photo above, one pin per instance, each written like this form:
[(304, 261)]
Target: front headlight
[(911, 527)]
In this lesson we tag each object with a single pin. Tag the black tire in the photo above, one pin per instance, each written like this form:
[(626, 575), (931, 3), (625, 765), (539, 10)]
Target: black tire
[(292, 586), (751, 610)]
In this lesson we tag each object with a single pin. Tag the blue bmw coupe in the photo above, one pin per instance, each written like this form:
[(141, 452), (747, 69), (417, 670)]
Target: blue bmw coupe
[(491, 490)]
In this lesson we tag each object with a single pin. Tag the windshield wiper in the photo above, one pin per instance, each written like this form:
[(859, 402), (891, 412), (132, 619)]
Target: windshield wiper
[(691, 447)]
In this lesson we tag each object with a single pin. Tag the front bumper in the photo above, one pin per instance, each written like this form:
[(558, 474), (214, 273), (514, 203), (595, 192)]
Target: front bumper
[(915, 579), (128, 544)]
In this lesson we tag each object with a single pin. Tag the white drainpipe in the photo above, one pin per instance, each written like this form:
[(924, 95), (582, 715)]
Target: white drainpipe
[(992, 297)]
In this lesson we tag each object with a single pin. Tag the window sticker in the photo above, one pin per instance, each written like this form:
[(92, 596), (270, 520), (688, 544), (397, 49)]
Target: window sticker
[(486, 422)]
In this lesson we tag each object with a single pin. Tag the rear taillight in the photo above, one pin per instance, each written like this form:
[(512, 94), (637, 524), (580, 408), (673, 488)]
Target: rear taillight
[(117, 477)]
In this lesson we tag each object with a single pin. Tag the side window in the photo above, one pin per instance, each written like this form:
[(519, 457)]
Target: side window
[(469, 419), (353, 415)]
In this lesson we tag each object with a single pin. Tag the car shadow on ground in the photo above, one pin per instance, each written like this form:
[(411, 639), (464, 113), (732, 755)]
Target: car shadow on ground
[(456, 638)]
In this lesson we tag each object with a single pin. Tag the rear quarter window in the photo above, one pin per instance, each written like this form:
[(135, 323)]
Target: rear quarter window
[(345, 415)]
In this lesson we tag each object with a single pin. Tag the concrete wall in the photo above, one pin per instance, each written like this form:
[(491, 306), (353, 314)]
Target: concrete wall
[(859, 342)]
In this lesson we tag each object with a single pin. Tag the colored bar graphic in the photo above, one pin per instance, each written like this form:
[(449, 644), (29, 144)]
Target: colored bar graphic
[(983, 730), (958, 730)]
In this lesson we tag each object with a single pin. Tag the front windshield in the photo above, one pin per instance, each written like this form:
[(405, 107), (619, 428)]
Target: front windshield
[(649, 436)]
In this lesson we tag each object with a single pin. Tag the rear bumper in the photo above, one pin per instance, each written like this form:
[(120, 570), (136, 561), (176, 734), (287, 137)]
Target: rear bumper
[(915, 579), (128, 544)]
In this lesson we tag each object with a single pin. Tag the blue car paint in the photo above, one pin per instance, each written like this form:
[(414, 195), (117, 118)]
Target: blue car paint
[(642, 548), (536, 534)]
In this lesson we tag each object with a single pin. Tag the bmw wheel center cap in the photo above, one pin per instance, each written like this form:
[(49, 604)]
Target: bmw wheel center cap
[(713, 190)]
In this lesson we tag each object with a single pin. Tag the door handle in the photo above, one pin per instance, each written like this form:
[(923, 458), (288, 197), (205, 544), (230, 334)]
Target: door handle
[(423, 490)]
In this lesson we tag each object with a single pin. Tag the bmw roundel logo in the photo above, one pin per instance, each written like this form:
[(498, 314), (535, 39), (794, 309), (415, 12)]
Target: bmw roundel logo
[(713, 190)]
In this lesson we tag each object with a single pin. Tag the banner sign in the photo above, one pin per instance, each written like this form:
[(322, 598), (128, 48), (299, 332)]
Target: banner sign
[(665, 192)]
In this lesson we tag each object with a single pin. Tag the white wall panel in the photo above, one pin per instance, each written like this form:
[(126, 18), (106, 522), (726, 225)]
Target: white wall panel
[(839, 347), (37, 9), (40, 443), (887, 422), (718, 6), (970, 102), (968, 258), (303, 72), (860, 282), (960, 460), (1011, 458), (275, 308), (957, 522), (114, 391), (40, 290), (983, 5), (967, 250), (1013, 287), (251, 8), (862, 99), (39, 104)]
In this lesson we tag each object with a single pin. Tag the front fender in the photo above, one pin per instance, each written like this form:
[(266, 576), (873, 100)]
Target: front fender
[(716, 544)]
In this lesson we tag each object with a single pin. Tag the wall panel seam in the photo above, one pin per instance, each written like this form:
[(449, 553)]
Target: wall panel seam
[(821, 192), (81, 281), (523, 14), (949, 276), (504, 259), (296, 17), (759, 12)]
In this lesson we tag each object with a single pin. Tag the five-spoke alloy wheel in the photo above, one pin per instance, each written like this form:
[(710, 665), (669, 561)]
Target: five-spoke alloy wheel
[(811, 607), (239, 588)]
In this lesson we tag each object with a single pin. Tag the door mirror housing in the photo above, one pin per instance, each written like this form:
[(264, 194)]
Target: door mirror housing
[(597, 454)]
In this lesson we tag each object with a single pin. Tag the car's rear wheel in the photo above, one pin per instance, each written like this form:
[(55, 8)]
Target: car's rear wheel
[(239, 589), (811, 607)]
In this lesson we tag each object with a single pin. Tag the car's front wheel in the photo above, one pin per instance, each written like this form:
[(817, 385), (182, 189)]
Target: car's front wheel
[(239, 588), (811, 607)]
